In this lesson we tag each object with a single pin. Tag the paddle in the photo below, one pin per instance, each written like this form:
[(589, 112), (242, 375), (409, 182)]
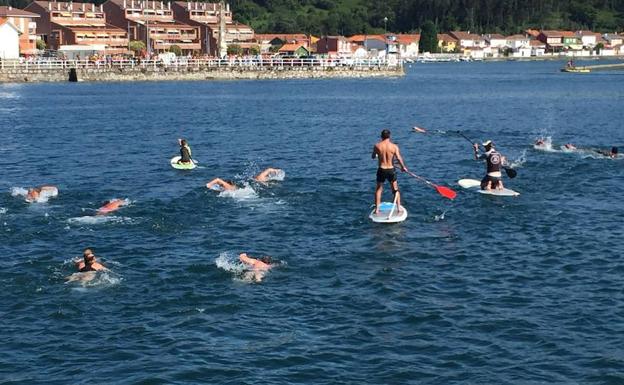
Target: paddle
[(442, 190), (511, 173)]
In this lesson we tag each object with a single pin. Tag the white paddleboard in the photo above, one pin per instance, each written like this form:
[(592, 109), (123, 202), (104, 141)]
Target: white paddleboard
[(384, 216), (475, 184), (182, 166)]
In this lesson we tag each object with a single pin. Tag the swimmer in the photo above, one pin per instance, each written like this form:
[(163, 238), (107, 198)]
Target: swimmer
[(418, 129), (612, 154), (259, 267), (35, 193), (539, 142), (569, 146), (267, 174), (88, 263), (221, 185), (112, 205)]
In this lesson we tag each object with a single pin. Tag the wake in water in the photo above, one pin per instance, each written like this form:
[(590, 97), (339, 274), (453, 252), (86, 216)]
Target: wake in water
[(35, 195), (98, 220), (94, 279), (545, 144), (519, 161), (3, 210), (240, 194)]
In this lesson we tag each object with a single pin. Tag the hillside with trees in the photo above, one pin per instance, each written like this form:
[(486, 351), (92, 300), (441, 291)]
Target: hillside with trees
[(349, 17)]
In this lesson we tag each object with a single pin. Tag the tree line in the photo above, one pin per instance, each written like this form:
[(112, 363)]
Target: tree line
[(350, 17)]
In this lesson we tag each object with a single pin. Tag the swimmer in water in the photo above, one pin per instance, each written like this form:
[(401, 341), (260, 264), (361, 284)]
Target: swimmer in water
[(112, 205), (221, 185), (259, 267), (35, 193), (88, 263), (569, 146), (228, 185), (539, 142), (267, 174), (612, 154)]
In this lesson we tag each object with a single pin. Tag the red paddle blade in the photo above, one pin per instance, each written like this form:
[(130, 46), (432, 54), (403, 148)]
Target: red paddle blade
[(446, 192)]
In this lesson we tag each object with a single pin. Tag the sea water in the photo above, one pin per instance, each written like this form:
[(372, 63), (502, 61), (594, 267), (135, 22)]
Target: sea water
[(477, 290)]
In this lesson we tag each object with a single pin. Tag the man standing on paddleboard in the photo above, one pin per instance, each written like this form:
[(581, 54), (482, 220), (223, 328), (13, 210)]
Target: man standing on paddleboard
[(386, 151), (494, 160)]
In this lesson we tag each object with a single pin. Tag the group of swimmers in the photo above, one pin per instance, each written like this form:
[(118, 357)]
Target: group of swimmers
[(613, 153)]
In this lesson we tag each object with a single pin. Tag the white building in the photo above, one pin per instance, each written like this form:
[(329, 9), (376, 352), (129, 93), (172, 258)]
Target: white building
[(518, 41), (495, 40), (588, 38), (9, 40)]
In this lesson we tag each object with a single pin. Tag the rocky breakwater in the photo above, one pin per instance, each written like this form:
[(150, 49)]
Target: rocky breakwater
[(185, 73)]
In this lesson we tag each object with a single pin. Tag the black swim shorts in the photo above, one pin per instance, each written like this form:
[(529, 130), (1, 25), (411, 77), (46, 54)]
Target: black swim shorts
[(386, 174)]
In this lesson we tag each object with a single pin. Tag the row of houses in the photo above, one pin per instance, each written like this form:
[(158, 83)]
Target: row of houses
[(208, 28)]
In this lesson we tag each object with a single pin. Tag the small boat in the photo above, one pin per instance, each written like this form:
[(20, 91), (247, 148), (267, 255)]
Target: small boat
[(576, 70)]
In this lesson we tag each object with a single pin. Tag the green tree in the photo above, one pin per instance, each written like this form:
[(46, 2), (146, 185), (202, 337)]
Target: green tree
[(428, 37), (136, 46), (176, 50), (234, 49), (254, 50), (41, 45)]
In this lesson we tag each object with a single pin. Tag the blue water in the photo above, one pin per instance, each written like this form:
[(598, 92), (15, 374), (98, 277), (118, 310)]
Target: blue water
[(480, 290)]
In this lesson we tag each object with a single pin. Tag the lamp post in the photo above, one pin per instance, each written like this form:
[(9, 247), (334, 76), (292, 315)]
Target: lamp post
[(385, 25)]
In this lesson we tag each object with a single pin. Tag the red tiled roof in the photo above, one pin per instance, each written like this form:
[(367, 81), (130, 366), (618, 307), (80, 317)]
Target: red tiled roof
[(517, 37), (496, 36), (13, 12), (290, 47), (361, 38), (408, 38), (6, 21), (446, 37), (568, 34), (282, 36), (461, 35), (552, 33), (532, 32)]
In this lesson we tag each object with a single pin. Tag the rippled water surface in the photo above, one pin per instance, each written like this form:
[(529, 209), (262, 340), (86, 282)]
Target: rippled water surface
[(480, 290)]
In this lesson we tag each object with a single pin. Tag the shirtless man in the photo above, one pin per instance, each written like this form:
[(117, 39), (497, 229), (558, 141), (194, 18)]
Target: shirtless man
[(386, 151), (259, 267), (185, 151), (112, 205), (36, 192), (88, 263)]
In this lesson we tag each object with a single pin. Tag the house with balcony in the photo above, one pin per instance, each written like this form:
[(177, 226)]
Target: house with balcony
[(206, 17), (272, 42), (495, 40), (25, 23), (467, 39), (9, 40), (408, 45), (334, 46), (153, 23), (77, 24), (520, 45), (447, 43), (553, 41)]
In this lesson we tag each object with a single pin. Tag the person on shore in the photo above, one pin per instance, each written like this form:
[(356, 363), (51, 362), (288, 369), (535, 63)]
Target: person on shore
[(88, 262), (386, 152), (112, 205), (186, 155), (43, 192), (258, 266), (494, 161), (267, 174)]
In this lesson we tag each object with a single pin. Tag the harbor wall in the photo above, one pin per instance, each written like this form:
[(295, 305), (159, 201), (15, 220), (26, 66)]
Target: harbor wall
[(21, 75)]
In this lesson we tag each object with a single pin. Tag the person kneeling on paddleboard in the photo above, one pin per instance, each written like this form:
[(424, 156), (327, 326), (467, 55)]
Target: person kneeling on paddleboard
[(386, 151), (494, 160), (185, 151)]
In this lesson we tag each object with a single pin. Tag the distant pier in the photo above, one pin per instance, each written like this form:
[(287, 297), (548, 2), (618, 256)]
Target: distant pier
[(194, 69)]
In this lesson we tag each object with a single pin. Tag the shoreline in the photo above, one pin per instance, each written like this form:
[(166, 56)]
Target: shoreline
[(176, 73)]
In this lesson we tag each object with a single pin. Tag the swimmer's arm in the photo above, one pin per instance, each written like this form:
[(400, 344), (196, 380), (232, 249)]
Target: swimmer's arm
[(245, 259)]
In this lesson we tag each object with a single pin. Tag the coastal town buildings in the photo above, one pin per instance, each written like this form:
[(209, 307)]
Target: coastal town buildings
[(446, 43), (334, 46), (272, 42), (9, 40), (206, 17), (408, 45), (80, 26), (25, 22), (153, 23)]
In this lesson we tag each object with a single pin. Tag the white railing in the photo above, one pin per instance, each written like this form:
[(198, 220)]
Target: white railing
[(43, 64)]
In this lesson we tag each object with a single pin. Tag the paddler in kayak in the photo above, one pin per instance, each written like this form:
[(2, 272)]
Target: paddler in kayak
[(494, 161), (112, 205), (36, 194), (386, 152), (186, 155)]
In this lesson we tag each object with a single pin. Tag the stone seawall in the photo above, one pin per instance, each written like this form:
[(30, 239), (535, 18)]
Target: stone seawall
[(20, 75)]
